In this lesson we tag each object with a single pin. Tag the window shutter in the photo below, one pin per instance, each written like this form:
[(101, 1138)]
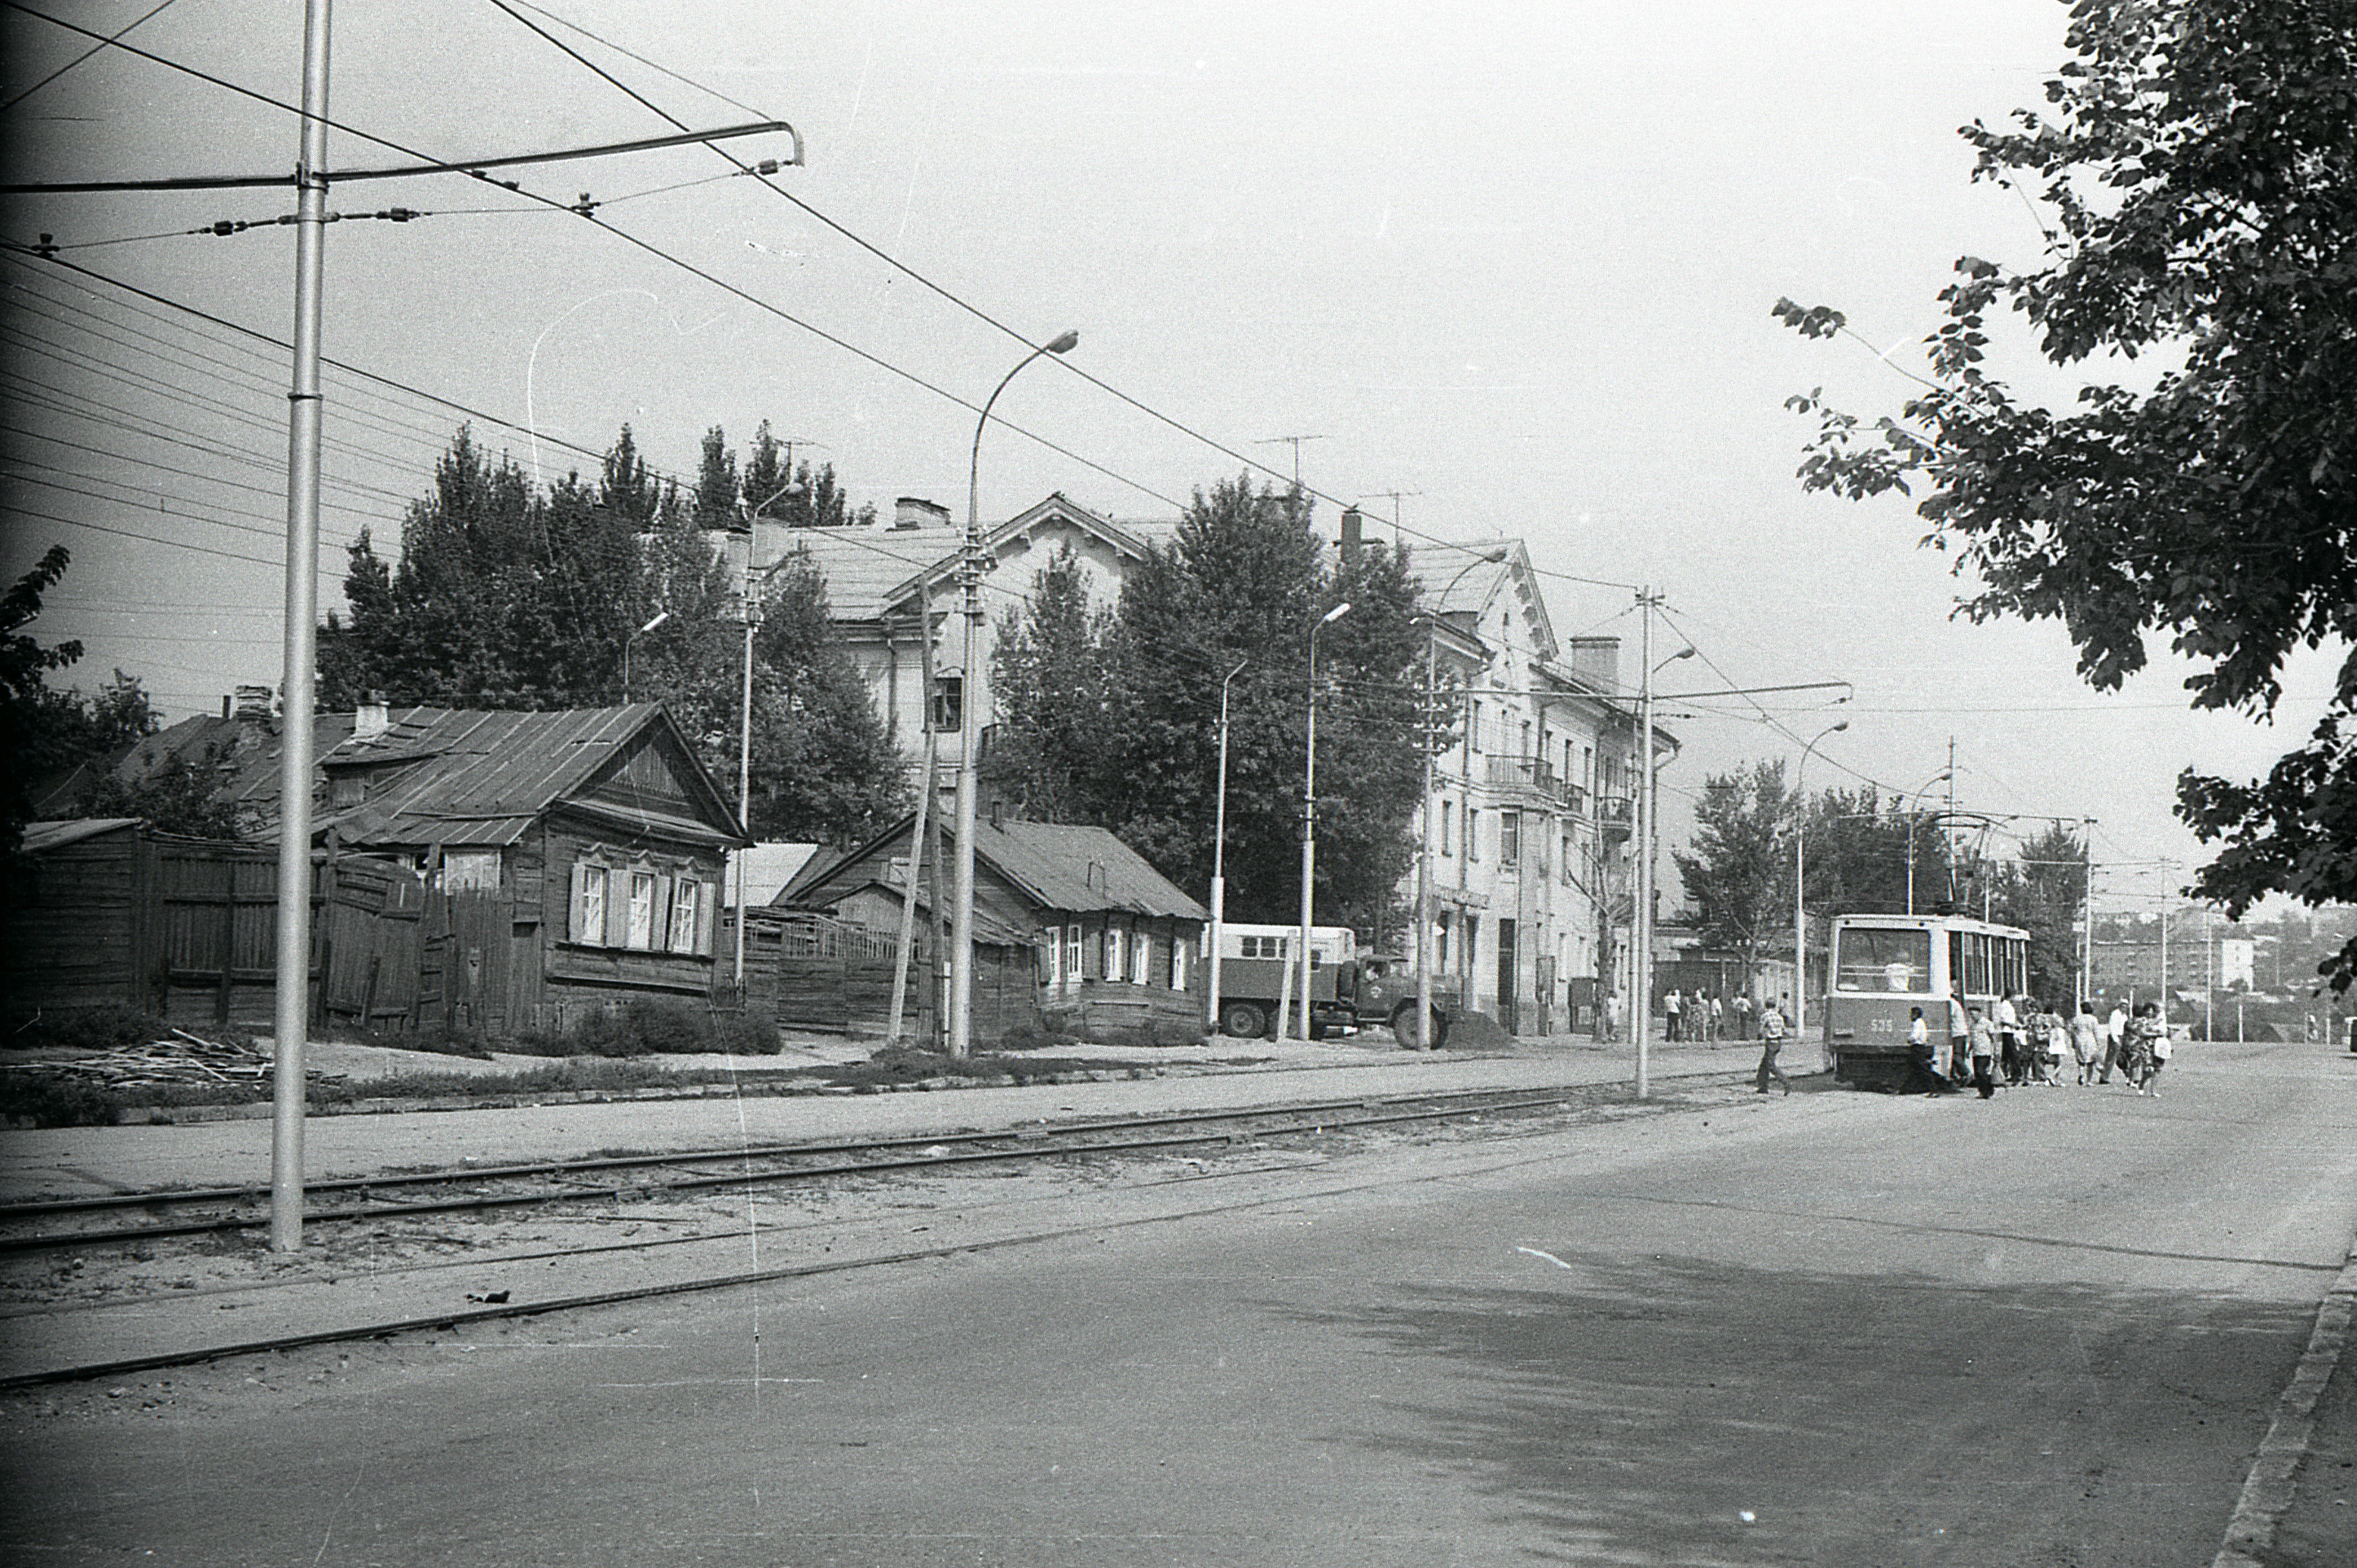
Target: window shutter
[(618, 909), (659, 926), (706, 908)]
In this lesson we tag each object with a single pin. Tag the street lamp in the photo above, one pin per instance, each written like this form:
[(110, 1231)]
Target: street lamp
[(1913, 800), (1219, 857), (970, 720), (1424, 849), (1308, 830), (1800, 895), (1641, 961), (661, 617)]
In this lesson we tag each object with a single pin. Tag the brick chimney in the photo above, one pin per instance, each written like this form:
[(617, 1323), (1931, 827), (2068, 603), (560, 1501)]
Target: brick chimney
[(371, 718), (1353, 526), (914, 511)]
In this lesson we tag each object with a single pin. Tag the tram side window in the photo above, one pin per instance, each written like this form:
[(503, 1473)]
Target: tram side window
[(1872, 959), (1955, 984), (1976, 965)]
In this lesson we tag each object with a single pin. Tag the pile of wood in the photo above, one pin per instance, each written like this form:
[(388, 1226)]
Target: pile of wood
[(182, 1060)]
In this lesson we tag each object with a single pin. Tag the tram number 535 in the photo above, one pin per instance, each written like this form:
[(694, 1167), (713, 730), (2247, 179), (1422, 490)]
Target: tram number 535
[(1880, 1026)]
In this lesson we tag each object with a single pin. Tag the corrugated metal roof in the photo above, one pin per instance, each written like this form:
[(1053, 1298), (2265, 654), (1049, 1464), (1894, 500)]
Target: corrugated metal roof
[(1056, 866), (1081, 869), (42, 837), (1454, 577), (468, 777)]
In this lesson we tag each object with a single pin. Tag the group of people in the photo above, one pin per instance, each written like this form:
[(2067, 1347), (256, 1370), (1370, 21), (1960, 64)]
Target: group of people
[(2021, 1042), (1703, 1018)]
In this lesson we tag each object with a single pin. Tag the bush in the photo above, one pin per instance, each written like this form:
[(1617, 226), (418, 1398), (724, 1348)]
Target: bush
[(107, 1028), (56, 1099), (647, 1026)]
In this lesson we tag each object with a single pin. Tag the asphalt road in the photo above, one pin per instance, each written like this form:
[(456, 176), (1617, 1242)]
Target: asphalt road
[(1837, 1328)]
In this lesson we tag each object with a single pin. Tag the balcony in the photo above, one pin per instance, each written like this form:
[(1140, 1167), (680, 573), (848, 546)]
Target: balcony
[(1539, 785), (1616, 814)]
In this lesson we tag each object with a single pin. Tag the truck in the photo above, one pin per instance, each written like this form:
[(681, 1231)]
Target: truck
[(1347, 993)]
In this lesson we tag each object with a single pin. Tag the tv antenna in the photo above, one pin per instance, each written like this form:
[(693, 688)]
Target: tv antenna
[(1295, 442)]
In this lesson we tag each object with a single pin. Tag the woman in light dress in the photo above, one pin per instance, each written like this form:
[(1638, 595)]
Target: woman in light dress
[(2086, 1042)]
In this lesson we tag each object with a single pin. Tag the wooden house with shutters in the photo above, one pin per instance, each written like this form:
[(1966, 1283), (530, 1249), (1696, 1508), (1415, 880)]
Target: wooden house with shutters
[(1072, 925), (579, 856)]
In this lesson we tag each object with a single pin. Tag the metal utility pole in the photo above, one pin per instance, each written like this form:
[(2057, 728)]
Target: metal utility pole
[(970, 692), (292, 1016), (1641, 960), (1220, 860), (1800, 884), (1308, 828)]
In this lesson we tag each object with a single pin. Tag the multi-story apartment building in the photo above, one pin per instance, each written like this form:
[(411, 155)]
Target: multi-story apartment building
[(1530, 814)]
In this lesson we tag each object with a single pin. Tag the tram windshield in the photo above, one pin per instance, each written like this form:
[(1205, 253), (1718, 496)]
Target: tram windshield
[(1865, 958)]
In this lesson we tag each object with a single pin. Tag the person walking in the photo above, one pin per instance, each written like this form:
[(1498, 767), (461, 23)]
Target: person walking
[(1674, 1008), (2115, 1035), (1923, 1066), (1742, 1015), (2136, 1051), (2162, 1047), (2008, 1041), (2086, 1042), (1772, 1040), (1717, 1019), (1984, 1052)]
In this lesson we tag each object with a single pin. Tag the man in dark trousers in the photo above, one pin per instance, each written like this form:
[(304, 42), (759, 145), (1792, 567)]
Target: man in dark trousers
[(1772, 1040)]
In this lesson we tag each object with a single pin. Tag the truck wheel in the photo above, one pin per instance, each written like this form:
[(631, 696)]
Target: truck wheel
[(1243, 1019), (1404, 1027)]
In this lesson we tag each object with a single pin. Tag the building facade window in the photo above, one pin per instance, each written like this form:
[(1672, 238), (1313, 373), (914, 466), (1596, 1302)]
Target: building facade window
[(1510, 838), (1472, 834), (1447, 827), (948, 702)]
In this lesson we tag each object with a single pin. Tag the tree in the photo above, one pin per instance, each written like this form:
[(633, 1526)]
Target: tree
[(1049, 676), (824, 770), (506, 596), (1114, 720), (2043, 892), (28, 709), (2199, 168), (1738, 873)]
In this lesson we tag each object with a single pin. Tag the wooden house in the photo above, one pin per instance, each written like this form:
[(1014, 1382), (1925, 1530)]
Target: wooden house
[(583, 854), (1106, 943)]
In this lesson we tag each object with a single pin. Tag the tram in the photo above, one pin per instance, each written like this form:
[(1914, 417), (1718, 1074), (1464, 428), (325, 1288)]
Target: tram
[(1884, 966)]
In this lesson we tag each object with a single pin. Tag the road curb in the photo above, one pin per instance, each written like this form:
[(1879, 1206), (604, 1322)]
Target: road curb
[(2271, 1488)]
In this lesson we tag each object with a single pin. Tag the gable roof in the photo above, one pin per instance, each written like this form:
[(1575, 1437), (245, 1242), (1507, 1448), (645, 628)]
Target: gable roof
[(874, 571), (1055, 865), (1456, 582), (461, 775)]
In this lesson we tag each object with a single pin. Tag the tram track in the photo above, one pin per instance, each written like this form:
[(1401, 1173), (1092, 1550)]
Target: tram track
[(54, 1225), (654, 1178)]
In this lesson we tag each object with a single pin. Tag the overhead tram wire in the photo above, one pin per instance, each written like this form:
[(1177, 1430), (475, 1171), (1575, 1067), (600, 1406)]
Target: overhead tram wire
[(587, 214), (86, 54), (960, 301), (345, 367)]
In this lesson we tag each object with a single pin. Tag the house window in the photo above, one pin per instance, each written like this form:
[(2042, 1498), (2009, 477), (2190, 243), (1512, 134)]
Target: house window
[(1447, 827), (1566, 857), (1178, 965), (650, 908), (641, 932), (1052, 956), (1072, 938), (1510, 838), (1473, 728), (470, 871), (589, 903), (1141, 957), (948, 701), (1472, 834), (686, 914), (1440, 942), (1113, 953)]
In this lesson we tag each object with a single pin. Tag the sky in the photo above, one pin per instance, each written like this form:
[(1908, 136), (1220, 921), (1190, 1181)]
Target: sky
[(1500, 268)]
